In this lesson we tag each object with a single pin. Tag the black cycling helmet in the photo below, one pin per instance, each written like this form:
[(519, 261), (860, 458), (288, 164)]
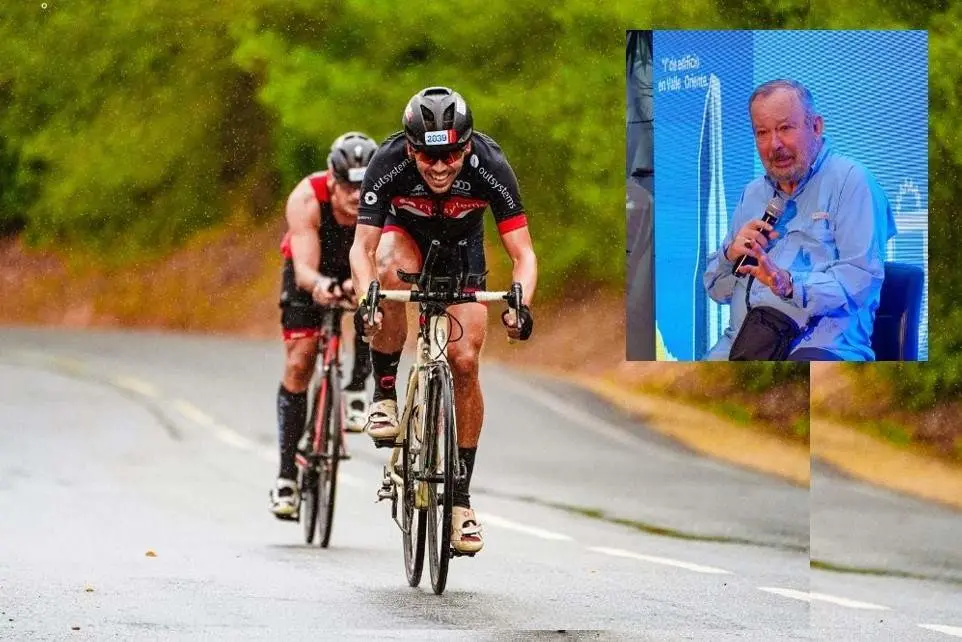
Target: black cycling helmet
[(349, 156), (437, 119)]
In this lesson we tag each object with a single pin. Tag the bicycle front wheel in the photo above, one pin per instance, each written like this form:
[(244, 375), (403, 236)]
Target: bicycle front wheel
[(413, 519), (440, 433), (308, 476), (330, 451)]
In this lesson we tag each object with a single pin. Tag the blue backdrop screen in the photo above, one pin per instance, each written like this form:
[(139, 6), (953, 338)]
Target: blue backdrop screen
[(875, 109)]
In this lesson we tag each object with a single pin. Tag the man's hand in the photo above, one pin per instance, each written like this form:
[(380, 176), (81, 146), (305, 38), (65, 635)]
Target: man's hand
[(510, 320), (751, 231), (362, 323), (347, 288), (326, 290), (779, 280)]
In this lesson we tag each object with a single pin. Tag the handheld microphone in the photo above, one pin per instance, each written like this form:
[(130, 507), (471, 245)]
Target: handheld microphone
[(774, 209)]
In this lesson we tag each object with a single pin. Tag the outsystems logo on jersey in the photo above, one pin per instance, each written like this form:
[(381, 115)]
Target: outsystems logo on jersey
[(390, 176), (497, 185)]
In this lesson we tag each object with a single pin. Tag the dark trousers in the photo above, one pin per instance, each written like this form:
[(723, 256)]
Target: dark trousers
[(813, 354)]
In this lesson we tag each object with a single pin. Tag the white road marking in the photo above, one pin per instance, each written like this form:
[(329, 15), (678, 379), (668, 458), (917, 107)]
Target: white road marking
[(69, 364), (193, 413), (698, 568), (227, 435), (136, 385), (232, 438), (494, 520), (954, 631), (822, 597)]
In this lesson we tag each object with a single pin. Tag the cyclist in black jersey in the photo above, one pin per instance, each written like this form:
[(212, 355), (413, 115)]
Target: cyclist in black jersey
[(321, 216), (433, 181)]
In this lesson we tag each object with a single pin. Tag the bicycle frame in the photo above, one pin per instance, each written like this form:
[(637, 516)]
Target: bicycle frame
[(318, 466), (431, 350), (433, 338), (329, 357)]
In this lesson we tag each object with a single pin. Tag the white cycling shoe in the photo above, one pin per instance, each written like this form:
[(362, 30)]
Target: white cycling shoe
[(285, 499), (465, 531), (382, 423), (355, 410)]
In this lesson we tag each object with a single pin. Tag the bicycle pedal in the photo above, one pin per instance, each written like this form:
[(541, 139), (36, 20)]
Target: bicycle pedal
[(385, 493), (385, 443), (344, 457), (456, 553)]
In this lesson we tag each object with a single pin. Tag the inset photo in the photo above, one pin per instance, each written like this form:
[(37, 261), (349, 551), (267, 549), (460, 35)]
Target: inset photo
[(791, 191)]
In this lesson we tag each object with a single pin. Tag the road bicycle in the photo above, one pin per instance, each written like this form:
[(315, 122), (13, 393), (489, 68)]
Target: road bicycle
[(420, 477), (323, 446)]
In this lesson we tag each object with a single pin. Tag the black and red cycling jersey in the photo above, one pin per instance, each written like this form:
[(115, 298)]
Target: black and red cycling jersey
[(394, 189), (335, 239)]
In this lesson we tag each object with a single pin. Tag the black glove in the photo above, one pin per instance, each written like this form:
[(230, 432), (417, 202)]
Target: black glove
[(525, 318), (359, 322)]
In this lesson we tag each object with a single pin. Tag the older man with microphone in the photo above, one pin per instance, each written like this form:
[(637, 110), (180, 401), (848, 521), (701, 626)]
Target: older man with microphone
[(802, 265)]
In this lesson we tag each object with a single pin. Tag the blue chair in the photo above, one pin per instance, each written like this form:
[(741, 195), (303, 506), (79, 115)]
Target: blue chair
[(895, 336)]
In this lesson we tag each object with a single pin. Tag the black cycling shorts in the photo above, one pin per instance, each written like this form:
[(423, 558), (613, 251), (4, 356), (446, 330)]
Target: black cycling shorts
[(299, 312), (448, 262)]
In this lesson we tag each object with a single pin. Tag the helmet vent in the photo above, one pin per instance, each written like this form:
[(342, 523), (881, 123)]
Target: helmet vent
[(448, 118), (428, 116)]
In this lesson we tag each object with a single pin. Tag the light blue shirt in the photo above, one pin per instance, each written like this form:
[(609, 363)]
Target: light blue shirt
[(832, 239)]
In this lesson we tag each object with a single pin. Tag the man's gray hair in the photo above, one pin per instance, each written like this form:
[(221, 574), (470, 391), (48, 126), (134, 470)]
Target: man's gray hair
[(804, 95)]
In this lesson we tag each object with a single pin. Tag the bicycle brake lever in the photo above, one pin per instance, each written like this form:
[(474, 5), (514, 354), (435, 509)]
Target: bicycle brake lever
[(373, 297)]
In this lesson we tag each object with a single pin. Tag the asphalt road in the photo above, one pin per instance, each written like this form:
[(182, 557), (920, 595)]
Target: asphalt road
[(116, 445)]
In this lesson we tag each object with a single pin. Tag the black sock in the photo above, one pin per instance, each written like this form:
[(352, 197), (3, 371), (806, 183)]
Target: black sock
[(462, 490), (361, 369), (385, 372), (291, 417)]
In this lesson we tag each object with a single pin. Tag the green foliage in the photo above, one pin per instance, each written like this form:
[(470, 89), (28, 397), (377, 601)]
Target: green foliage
[(761, 376), (756, 376), (543, 82), (129, 126), (116, 112), (802, 427), (923, 385), (15, 193)]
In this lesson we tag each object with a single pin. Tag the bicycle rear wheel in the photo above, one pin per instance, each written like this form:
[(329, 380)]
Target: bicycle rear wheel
[(413, 520), (330, 451), (440, 433)]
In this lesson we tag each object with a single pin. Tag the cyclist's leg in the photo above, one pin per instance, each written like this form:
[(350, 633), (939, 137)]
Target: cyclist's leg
[(361, 368), (469, 411), (463, 356), (355, 395), (396, 251), (300, 328)]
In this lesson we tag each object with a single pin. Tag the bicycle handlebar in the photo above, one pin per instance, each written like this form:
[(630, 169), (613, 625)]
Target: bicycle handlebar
[(416, 296), (446, 296)]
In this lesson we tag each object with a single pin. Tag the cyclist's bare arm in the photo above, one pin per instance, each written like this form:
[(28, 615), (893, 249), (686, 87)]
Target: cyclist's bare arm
[(304, 222), (363, 256), (517, 243)]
